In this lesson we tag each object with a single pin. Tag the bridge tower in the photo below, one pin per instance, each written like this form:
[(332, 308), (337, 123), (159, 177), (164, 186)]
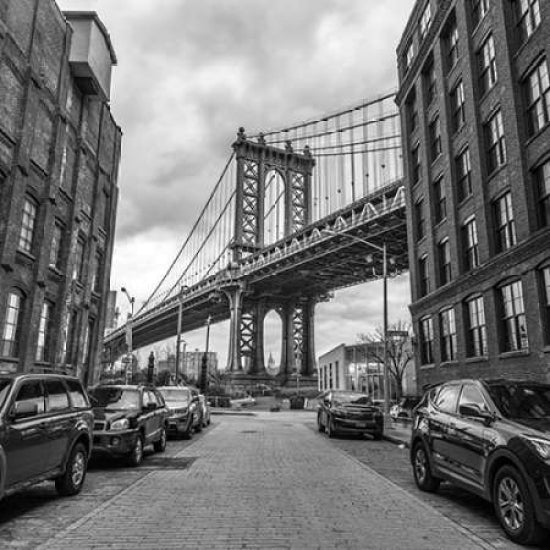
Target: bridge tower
[(258, 166)]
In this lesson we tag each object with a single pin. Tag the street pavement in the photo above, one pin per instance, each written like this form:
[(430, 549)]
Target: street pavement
[(268, 481)]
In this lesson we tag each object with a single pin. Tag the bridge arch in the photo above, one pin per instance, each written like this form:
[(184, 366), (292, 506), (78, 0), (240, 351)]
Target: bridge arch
[(273, 341)]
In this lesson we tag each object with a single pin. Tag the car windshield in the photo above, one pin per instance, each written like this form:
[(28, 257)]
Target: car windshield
[(114, 399), (521, 401), (176, 394), (351, 398), (5, 385)]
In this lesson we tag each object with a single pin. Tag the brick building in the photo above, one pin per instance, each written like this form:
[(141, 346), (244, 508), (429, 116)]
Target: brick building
[(475, 103), (59, 157)]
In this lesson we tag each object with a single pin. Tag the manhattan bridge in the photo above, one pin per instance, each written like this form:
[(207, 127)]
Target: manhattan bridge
[(285, 226)]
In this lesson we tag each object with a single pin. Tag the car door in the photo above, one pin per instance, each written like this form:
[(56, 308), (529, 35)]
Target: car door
[(161, 411), (472, 436), (150, 417), (442, 425), (58, 421), (26, 441)]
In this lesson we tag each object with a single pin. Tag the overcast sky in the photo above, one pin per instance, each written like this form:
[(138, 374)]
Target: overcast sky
[(189, 73)]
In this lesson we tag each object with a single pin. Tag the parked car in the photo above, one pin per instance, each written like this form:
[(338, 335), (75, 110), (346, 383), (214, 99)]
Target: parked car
[(349, 412), (45, 432), (243, 400), (127, 418), (205, 409), (184, 416), (492, 438), (404, 409)]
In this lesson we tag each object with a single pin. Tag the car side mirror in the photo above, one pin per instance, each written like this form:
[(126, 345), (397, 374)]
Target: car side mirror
[(24, 409), (151, 406), (474, 411), (195, 399)]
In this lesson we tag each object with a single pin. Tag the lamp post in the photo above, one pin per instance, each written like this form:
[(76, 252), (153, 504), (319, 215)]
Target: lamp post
[(129, 321), (382, 249), (204, 366), (178, 337)]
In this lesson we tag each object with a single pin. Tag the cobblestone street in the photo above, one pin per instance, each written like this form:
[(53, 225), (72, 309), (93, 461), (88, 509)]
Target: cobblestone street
[(268, 481)]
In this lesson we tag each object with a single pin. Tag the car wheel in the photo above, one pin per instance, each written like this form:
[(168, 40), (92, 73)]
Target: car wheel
[(188, 433), (135, 458), (160, 444), (514, 507), (320, 426), (70, 483), (422, 471), (377, 435), (331, 430)]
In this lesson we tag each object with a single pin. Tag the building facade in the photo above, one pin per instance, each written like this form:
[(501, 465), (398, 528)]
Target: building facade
[(474, 100), (359, 368), (59, 158)]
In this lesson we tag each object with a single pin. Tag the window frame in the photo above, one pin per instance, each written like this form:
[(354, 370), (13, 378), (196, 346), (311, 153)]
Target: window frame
[(538, 106), (426, 340), (495, 137), (542, 193), (447, 334), (458, 106), (526, 18), (488, 75), (12, 329), (27, 228), (512, 319), (470, 244), (444, 261), (440, 199), (476, 327), (463, 166), (504, 223), (434, 136)]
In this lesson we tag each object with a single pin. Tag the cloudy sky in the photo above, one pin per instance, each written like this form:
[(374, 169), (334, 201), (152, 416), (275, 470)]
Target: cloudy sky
[(189, 73)]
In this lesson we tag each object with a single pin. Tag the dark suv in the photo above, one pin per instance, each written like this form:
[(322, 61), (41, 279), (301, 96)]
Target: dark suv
[(491, 437), (126, 419), (45, 432)]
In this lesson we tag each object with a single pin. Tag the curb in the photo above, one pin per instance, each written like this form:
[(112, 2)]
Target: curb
[(232, 413)]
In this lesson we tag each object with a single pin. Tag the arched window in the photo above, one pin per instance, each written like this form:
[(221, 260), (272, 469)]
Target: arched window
[(9, 346), (28, 222)]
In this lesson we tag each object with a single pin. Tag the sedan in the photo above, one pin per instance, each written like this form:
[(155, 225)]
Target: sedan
[(349, 412)]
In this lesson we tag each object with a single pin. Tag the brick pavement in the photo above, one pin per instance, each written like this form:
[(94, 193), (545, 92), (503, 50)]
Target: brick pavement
[(265, 482)]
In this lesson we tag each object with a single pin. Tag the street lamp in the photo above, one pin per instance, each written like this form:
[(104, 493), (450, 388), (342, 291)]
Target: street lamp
[(129, 319), (382, 249), (183, 289), (204, 366)]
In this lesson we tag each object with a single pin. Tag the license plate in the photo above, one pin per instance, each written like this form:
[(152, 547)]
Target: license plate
[(360, 425)]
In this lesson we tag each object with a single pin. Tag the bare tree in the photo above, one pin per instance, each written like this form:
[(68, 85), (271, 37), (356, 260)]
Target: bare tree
[(399, 350)]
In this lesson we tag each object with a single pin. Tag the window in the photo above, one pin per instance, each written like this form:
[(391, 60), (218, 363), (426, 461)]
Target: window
[(425, 20), (76, 393), (447, 398), (42, 351), (412, 112), (496, 143), (32, 392), (457, 105), (430, 82), (435, 138), (70, 337), (487, 65), (426, 341), (409, 55), (12, 325), (505, 226), (79, 259), (470, 244), (440, 200), (542, 178), (472, 396), (448, 334), (545, 279), (538, 97), (419, 219), (479, 9), (95, 284), (514, 329), (476, 331), (464, 174), (416, 167), (28, 221), (58, 399), (444, 256), (55, 249), (423, 275), (452, 45), (528, 14)]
